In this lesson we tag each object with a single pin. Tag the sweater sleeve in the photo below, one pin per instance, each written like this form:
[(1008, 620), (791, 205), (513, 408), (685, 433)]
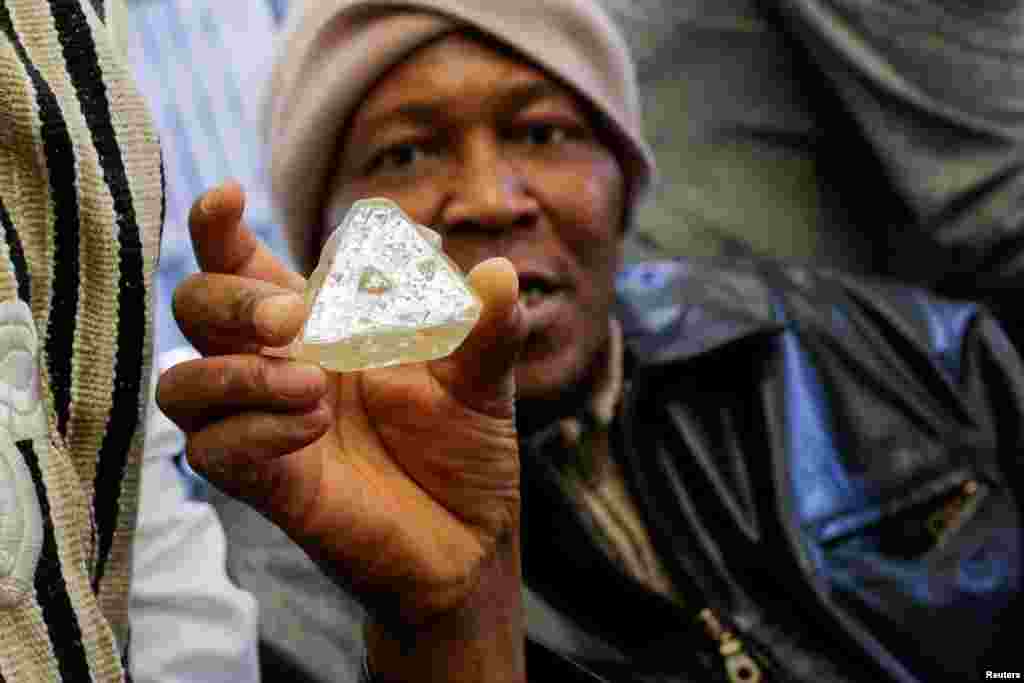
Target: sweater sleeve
[(80, 211)]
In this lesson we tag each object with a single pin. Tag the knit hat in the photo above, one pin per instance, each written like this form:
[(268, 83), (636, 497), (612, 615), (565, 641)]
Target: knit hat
[(333, 51)]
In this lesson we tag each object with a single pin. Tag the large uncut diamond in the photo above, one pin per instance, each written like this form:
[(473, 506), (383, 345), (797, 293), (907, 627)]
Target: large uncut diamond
[(384, 293)]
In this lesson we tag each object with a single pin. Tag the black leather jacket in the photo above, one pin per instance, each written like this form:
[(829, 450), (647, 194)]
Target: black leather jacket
[(829, 466)]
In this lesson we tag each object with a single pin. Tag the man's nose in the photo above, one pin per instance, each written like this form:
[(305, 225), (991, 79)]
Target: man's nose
[(489, 192)]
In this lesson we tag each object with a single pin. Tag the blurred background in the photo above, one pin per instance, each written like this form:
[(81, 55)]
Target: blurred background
[(201, 65)]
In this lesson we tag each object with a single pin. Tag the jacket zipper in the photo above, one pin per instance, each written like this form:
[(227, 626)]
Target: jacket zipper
[(740, 667)]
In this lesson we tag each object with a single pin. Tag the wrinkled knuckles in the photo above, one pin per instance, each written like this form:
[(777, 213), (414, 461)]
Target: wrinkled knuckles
[(313, 424), (218, 466), (228, 378), (244, 307), (293, 381), (258, 437), (206, 462), (174, 397), (183, 302), (258, 379)]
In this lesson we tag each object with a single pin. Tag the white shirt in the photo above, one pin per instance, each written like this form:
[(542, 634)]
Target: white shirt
[(189, 622)]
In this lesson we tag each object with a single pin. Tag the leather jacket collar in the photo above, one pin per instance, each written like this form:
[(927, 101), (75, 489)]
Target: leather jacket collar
[(675, 310)]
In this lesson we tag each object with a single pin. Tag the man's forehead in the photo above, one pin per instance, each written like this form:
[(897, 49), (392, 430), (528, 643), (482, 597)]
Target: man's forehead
[(426, 108), (451, 71)]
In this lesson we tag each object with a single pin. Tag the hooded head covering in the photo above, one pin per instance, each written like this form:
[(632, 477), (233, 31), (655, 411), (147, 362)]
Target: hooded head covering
[(333, 51)]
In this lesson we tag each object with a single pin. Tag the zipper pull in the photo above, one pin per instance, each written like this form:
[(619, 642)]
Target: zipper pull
[(739, 666)]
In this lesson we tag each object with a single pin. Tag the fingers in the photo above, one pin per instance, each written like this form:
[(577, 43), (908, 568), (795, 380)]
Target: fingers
[(223, 243), (480, 372), (246, 456), (196, 393), (243, 416), (230, 314)]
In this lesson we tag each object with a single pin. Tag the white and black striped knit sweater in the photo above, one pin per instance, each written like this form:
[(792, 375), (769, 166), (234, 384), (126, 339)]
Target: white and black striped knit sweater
[(80, 213)]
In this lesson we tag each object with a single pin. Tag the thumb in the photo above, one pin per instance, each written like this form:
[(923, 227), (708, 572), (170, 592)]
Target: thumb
[(480, 372)]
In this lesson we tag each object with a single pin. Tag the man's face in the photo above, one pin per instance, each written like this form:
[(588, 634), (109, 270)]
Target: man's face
[(502, 161)]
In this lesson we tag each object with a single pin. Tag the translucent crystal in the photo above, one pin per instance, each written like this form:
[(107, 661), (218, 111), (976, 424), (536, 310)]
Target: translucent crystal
[(384, 293)]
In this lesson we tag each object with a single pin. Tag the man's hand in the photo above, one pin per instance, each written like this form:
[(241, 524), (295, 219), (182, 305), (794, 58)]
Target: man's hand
[(401, 482)]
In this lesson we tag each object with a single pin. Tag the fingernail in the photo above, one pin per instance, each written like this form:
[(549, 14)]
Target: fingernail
[(210, 201), (277, 315), (297, 380)]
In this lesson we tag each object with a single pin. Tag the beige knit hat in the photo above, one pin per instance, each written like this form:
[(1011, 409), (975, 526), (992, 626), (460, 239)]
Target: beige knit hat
[(333, 51)]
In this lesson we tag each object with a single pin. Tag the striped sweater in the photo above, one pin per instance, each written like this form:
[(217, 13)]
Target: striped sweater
[(80, 213)]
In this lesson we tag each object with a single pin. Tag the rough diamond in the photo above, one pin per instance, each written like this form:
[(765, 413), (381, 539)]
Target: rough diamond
[(383, 294)]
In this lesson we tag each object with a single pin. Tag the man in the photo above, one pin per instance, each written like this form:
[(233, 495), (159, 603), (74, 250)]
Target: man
[(758, 474)]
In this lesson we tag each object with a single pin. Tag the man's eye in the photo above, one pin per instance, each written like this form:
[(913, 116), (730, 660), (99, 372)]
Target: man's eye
[(397, 157), (541, 134)]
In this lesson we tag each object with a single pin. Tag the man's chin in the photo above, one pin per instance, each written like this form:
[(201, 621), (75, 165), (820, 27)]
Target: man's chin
[(543, 399), (541, 382)]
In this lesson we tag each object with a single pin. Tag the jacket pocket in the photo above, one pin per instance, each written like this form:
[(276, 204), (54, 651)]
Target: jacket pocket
[(914, 526), (931, 573)]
